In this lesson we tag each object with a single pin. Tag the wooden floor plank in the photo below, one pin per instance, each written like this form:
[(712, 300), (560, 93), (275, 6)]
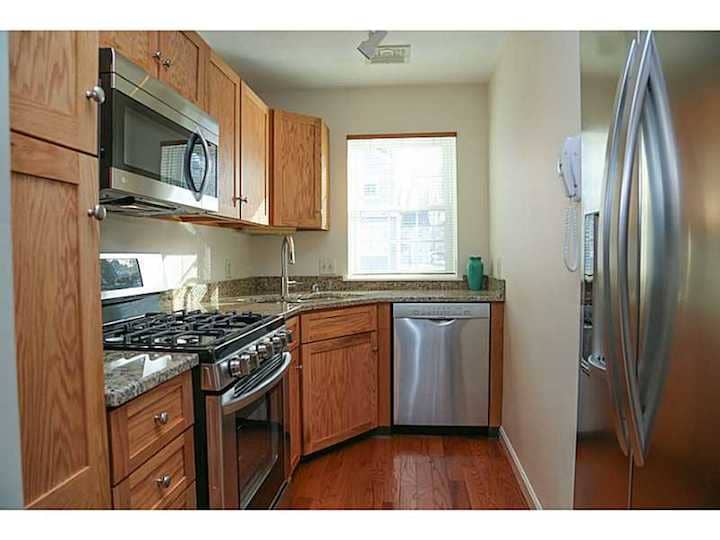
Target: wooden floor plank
[(407, 472)]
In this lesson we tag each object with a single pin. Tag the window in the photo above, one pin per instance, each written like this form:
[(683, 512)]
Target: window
[(402, 206)]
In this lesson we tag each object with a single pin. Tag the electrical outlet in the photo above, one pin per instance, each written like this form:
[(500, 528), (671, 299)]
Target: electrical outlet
[(497, 268), (326, 266), (228, 269)]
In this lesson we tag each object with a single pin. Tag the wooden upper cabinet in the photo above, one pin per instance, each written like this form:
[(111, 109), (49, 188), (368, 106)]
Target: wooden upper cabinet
[(339, 389), (183, 65), (300, 175), (141, 48), (50, 73), (223, 103), (254, 157), (58, 325), (178, 58)]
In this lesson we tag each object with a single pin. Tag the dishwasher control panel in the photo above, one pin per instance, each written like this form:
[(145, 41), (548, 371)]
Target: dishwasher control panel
[(445, 310)]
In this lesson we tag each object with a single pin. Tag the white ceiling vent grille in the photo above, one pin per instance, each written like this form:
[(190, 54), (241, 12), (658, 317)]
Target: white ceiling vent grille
[(391, 54)]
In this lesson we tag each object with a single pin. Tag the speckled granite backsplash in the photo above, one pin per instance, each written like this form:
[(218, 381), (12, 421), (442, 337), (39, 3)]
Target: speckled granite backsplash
[(190, 296)]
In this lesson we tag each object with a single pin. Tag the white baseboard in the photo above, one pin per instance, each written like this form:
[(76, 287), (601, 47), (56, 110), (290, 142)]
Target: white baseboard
[(520, 475)]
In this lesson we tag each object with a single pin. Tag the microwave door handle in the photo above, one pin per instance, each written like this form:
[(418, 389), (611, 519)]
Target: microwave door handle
[(230, 404), (189, 180)]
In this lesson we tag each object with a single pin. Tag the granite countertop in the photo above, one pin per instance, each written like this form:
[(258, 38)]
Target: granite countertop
[(129, 374), (271, 305)]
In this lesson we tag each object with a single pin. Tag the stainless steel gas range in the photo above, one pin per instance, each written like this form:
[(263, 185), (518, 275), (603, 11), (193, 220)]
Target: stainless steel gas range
[(239, 390)]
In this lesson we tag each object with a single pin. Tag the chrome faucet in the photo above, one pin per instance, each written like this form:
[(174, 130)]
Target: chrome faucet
[(287, 256)]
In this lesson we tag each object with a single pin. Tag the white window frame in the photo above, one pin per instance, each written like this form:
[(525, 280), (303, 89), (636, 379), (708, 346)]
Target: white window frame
[(430, 276)]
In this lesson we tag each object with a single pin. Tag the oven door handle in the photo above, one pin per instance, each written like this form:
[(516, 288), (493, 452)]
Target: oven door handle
[(230, 403)]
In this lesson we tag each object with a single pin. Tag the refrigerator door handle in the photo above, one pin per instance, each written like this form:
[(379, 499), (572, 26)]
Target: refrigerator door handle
[(610, 180), (649, 107)]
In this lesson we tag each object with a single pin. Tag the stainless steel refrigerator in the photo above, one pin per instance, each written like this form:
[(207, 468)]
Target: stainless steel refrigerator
[(649, 378)]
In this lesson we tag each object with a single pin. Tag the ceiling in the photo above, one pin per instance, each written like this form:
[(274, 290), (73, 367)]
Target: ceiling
[(302, 60)]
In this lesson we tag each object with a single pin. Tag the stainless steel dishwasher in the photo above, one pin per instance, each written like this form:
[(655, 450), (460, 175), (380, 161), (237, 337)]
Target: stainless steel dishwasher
[(441, 364)]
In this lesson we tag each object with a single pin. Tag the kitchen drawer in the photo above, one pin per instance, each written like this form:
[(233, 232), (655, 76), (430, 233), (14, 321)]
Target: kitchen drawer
[(143, 489), (335, 323), (144, 425), (186, 501), (293, 325)]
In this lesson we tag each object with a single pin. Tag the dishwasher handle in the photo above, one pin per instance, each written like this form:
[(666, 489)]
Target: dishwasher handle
[(438, 322)]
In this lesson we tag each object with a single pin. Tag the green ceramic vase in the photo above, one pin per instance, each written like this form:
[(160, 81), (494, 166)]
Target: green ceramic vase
[(475, 272)]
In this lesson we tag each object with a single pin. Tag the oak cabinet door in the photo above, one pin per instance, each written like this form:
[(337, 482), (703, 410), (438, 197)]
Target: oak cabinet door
[(223, 104), (141, 48), (255, 157), (299, 171), (50, 73), (184, 62), (295, 410), (58, 326), (339, 389)]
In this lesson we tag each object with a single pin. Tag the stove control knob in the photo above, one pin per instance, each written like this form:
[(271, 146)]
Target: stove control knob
[(287, 335), (278, 343), (240, 365), (265, 350), (253, 358)]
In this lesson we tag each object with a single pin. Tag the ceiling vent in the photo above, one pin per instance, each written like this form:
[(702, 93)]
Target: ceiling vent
[(391, 54)]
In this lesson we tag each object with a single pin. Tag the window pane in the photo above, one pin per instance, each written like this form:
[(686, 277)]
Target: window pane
[(402, 206)]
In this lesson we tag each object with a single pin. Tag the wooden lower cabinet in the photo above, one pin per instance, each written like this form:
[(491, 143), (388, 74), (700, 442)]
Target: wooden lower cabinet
[(161, 479), (294, 397), (186, 501), (151, 448), (339, 389), (143, 426), (58, 326), (331, 323)]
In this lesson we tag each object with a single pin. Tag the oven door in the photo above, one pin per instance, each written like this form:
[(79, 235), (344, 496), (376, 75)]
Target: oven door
[(155, 153), (246, 440)]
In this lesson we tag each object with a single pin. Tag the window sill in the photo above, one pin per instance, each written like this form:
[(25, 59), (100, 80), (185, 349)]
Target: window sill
[(402, 277)]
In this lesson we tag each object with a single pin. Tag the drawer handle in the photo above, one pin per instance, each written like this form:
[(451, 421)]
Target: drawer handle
[(164, 481), (162, 418)]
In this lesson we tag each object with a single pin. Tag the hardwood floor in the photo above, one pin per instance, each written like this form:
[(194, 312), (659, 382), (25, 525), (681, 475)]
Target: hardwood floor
[(407, 472)]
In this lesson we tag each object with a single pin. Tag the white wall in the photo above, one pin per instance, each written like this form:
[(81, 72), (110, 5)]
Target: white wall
[(192, 254), (534, 105), (461, 108), (11, 490)]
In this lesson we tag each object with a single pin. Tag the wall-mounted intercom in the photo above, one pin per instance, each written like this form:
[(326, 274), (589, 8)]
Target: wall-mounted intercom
[(570, 174)]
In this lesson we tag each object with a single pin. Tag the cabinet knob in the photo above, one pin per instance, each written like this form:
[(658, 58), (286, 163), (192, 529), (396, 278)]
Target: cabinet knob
[(167, 63), (98, 211), (162, 418), (241, 199), (157, 55), (97, 95), (164, 481)]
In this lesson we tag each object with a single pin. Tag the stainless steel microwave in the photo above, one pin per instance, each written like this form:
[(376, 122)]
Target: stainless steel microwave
[(158, 151)]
